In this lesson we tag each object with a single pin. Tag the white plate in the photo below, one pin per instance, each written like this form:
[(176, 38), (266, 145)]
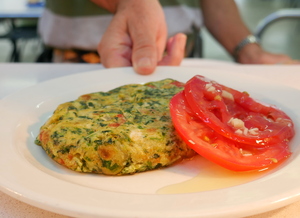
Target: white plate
[(27, 174)]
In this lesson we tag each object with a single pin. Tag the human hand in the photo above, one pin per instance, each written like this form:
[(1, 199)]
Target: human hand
[(254, 54), (137, 36)]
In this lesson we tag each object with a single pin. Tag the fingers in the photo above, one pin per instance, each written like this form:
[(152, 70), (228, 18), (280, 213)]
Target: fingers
[(145, 54), (115, 46), (270, 58), (148, 46), (144, 58), (175, 53), (284, 59), (291, 61), (134, 39), (175, 50), (148, 31), (254, 54), (119, 56)]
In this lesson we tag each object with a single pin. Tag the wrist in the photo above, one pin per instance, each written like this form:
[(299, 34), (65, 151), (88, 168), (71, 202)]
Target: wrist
[(246, 48), (250, 54)]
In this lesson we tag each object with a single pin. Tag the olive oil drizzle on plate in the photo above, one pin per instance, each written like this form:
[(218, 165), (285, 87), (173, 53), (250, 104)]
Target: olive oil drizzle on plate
[(211, 177)]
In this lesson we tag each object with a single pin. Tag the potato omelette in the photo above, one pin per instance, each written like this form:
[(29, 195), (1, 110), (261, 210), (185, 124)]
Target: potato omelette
[(123, 131)]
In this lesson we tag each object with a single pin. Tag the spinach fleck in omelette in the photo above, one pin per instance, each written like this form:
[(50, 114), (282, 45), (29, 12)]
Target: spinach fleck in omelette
[(122, 131)]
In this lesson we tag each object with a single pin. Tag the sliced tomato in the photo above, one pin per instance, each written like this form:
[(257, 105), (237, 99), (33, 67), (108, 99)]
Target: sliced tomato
[(213, 146), (236, 115)]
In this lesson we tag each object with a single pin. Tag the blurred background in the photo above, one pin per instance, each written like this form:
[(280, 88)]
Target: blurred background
[(283, 36)]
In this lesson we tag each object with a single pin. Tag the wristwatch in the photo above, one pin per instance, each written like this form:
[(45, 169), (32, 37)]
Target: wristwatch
[(251, 39)]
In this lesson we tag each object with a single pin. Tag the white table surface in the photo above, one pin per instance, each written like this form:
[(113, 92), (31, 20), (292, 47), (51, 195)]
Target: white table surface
[(19, 9), (15, 77)]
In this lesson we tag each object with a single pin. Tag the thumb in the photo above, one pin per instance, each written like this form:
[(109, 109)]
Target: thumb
[(148, 45), (144, 55), (147, 29)]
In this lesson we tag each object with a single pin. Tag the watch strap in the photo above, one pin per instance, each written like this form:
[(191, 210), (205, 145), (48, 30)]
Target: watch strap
[(250, 39)]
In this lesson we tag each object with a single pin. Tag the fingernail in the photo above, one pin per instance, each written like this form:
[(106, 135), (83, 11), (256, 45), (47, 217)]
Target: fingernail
[(144, 62), (144, 66)]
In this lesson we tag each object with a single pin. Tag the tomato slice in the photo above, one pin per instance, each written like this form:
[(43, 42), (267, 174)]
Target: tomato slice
[(211, 145), (236, 115)]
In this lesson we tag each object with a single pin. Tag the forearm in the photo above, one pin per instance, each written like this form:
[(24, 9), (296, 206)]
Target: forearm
[(223, 21)]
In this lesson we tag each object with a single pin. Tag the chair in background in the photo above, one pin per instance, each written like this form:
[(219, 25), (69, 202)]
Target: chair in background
[(274, 17), (278, 32), (17, 32)]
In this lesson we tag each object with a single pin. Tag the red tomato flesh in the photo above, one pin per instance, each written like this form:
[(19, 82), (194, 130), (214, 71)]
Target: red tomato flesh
[(215, 147), (236, 115)]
